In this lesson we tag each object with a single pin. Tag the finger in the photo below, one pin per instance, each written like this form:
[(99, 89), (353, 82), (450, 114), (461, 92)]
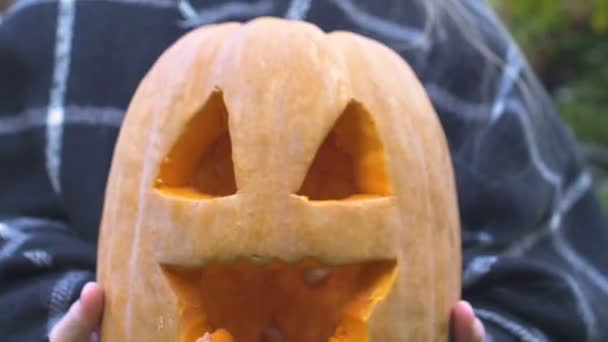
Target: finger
[(479, 332), (465, 326), (82, 318), (91, 298)]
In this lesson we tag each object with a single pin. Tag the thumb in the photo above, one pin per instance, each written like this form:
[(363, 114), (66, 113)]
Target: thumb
[(82, 319), (465, 326)]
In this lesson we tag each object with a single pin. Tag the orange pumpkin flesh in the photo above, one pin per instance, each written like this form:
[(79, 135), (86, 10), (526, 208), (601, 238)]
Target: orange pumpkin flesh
[(297, 188), (351, 156), (305, 301), (200, 163)]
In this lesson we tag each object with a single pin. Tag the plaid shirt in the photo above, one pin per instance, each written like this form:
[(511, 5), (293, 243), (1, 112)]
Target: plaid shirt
[(534, 238)]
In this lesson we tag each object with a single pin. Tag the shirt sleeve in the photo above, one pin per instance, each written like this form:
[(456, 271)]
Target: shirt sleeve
[(43, 262), (534, 235)]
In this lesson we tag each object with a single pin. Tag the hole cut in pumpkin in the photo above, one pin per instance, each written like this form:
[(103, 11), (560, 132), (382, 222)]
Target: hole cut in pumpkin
[(351, 161), (200, 163), (278, 301)]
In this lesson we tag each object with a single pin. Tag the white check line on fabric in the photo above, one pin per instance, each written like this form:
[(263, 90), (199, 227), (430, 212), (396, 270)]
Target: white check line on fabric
[(579, 264), (13, 240), (477, 267), (151, 3), (223, 12), (569, 198), (484, 12), (584, 308), (15, 232), (63, 47), (409, 35), (298, 9), (13, 124), (509, 75), (467, 110), (186, 10), (23, 4), (553, 229), (38, 257), (524, 334), (83, 115), (551, 176), (483, 264)]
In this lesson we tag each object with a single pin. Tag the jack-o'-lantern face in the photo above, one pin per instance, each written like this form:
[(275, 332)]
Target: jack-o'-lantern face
[(274, 183)]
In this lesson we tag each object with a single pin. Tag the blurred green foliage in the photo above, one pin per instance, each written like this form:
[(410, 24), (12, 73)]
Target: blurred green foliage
[(566, 41)]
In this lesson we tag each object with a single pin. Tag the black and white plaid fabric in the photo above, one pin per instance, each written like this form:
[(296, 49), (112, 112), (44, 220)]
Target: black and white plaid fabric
[(534, 238)]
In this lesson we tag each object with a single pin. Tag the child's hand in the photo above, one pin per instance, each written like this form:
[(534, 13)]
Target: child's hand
[(465, 326), (81, 322)]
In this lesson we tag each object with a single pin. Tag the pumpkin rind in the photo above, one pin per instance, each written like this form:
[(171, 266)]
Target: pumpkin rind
[(283, 95)]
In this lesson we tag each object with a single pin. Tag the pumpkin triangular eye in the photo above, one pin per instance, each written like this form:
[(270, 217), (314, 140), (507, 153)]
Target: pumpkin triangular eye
[(351, 161), (200, 162)]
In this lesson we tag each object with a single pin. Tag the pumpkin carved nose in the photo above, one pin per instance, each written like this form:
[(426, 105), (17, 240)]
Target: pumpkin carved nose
[(278, 301)]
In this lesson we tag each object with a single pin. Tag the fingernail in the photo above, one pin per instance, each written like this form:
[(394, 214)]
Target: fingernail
[(86, 287), (467, 305)]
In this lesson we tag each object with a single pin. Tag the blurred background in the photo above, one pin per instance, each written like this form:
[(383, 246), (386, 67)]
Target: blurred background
[(566, 42), (4, 4)]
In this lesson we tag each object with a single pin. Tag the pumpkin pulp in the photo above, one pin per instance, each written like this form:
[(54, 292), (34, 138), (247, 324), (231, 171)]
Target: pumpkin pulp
[(278, 301)]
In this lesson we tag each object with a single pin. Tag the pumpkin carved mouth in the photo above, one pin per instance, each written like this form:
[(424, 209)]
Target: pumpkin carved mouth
[(278, 301)]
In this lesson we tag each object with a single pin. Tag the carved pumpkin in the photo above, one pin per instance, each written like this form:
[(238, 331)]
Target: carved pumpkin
[(275, 183)]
